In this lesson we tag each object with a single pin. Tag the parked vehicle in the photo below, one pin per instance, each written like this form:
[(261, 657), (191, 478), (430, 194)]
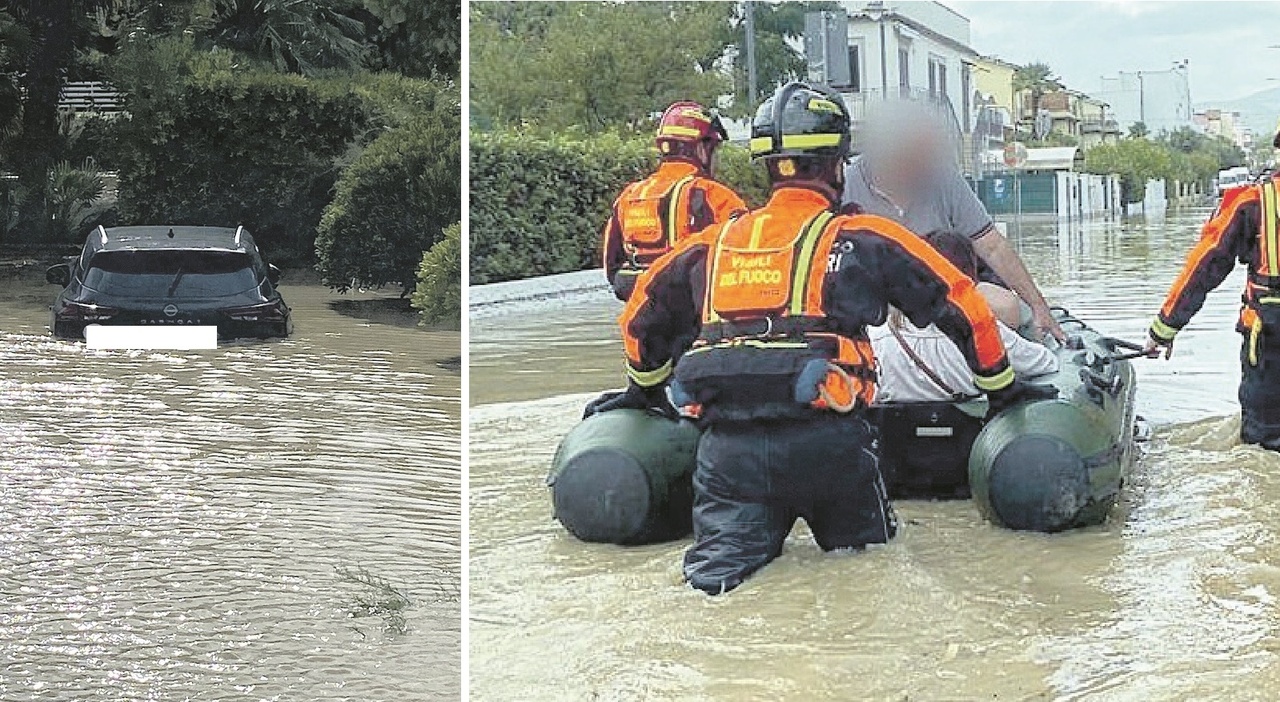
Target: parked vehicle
[(1232, 178), (169, 275)]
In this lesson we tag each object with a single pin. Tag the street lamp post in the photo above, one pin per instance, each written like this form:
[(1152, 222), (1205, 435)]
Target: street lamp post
[(751, 56)]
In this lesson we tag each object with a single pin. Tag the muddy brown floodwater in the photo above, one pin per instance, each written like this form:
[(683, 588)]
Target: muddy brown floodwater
[(1173, 599), (274, 520)]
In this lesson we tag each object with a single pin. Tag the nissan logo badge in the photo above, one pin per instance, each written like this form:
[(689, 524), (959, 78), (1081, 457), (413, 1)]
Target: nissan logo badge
[(170, 310)]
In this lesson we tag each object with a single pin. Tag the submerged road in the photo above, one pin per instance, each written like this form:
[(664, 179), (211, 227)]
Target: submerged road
[(1173, 599), (273, 520)]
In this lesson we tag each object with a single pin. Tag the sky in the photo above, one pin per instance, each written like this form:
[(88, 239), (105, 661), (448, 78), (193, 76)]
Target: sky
[(1226, 41)]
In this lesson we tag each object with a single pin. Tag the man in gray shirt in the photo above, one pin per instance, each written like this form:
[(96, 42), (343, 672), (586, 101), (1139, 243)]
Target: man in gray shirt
[(907, 173)]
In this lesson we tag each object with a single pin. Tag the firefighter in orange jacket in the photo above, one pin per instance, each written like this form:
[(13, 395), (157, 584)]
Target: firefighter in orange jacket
[(654, 214), (767, 317), (1245, 228)]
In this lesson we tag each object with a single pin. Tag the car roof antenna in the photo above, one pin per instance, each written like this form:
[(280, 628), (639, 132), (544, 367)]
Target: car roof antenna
[(170, 232)]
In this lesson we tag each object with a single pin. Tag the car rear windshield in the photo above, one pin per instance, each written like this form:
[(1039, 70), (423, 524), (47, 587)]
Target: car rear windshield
[(171, 273)]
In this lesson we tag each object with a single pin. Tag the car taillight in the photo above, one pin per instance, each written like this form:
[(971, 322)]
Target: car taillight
[(87, 312), (268, 312)]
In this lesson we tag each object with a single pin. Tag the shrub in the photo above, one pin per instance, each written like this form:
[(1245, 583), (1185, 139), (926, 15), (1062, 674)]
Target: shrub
[(211, 141), (392, 203), (257, 149), (540, 202), (439, 291)]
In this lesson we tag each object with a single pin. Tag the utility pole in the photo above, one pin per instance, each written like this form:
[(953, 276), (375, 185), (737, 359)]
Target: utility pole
[(751, 56)]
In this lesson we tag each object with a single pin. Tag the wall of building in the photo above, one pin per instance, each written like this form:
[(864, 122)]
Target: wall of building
[(995, 80), (917, 35), (1159, 99)]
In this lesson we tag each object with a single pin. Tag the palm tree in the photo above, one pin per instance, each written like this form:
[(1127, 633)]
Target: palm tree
[(299, 36), (1036, 79)]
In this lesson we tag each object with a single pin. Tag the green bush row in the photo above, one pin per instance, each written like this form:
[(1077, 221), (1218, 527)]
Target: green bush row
[(539, 202), (207, 141)]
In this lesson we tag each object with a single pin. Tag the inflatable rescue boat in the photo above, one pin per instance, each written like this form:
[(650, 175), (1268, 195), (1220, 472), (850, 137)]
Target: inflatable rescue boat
[(625, 476)]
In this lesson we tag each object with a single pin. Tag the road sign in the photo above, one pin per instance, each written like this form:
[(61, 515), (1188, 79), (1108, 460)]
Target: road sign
[(1015, 154)]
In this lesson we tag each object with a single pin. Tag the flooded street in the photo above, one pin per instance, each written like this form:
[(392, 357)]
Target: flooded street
[(269, 521), (1173, 599)]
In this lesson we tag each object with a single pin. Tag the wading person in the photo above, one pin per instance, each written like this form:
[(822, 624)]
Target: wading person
[(907, 173), (766, 316), (654, 214), (1244, 228)]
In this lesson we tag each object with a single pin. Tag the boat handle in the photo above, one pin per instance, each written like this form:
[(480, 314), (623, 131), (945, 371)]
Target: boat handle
[(1096, 380)]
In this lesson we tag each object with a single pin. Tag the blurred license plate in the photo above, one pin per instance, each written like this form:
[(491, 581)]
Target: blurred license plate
[(177, 338)]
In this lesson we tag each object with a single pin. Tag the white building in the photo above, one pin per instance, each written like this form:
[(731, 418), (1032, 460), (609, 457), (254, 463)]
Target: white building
[(1159, 99), (912, 50)]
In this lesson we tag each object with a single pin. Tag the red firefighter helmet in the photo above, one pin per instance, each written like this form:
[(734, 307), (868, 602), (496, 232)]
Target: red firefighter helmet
[(689, 123)]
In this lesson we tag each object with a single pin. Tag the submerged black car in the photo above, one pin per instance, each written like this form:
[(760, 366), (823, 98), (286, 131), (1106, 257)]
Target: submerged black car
[(164, 275)]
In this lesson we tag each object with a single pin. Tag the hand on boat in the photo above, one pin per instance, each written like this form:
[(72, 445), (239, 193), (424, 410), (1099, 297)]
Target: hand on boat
[(1044, 323), (1017, 393), (634, 397), (1153, 347)]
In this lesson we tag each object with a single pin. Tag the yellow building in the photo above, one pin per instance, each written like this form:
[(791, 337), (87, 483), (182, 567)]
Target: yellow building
[(993, 78)]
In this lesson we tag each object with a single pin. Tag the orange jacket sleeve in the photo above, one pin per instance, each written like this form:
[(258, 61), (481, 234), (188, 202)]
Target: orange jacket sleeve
[(1226, 237), (662, 318), (876, 261)]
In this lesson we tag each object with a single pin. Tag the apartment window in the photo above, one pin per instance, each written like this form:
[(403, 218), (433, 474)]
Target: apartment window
[(937, 77), (904, 68), (855, 68)]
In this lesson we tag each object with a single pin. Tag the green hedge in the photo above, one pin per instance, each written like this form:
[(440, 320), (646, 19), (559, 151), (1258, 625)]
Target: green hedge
[(539, 203), (212, 142), (439, 291), (257, 149), (392, 204)]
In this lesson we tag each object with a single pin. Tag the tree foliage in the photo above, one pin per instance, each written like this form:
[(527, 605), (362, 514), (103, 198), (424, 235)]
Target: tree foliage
[(439, 291), (392, 203), (592, 65), (1183, 155), (1036, 79), (779, 30)]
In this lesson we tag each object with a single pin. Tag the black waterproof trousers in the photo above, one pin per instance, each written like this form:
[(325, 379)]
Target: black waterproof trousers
[(753, 480), (1260, 390)]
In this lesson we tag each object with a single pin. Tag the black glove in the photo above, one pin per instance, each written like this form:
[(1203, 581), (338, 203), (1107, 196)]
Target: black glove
[(634, 397), (1016, 393)]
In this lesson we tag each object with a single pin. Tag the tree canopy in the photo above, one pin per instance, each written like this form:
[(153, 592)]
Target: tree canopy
[(583, 64)]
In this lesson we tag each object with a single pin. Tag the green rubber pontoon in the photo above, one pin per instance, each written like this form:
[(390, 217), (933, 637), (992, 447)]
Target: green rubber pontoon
[(624, 477)]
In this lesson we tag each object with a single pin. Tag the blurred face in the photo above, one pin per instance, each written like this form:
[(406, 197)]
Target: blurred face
[(915, 159)]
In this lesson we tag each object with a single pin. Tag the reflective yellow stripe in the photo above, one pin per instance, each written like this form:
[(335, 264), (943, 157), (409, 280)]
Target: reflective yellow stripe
[(804, 262), (1271, 242), (757, 231), (1162, 331), (648, 379), (675, 130), (998, 381), (1269, 301), (764, 145), (753, 343), (672, 209), (709, 313)]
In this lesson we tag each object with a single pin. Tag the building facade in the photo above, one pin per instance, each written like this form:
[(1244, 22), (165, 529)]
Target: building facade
[(915, 51), (1161, 100), (1224, 123)]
